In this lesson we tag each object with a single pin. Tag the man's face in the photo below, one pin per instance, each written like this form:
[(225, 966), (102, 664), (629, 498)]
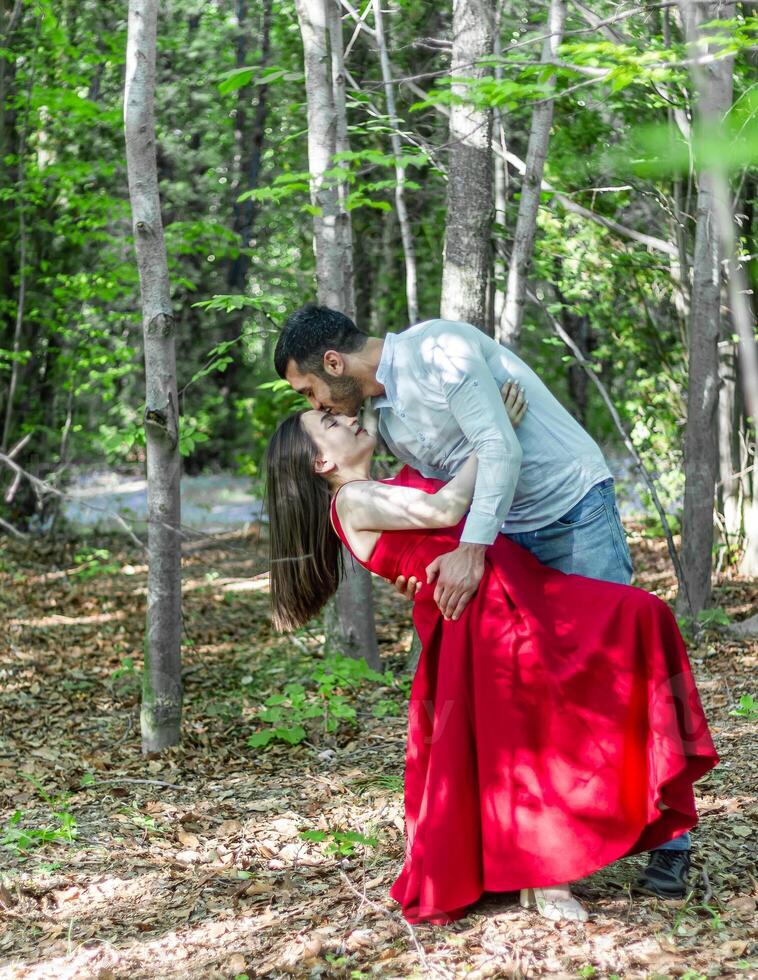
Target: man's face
[(340, 395)]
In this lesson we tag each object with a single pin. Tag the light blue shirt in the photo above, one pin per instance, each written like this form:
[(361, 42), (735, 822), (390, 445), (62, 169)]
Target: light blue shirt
[(442, 401)]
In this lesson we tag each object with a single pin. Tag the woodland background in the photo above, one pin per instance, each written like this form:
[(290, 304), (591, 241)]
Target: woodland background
[(577, 179)]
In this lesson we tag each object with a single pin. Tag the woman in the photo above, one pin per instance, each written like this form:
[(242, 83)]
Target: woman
[(553, 728)]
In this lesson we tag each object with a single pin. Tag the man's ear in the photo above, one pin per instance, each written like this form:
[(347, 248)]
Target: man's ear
[(323, 466), (334, 363)]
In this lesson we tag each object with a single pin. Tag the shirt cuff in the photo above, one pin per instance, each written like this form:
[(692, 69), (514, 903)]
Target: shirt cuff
[(480, 529)]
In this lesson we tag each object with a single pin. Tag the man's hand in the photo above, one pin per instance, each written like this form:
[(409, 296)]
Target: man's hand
[(458, 574), (515, 405), (407, 587), (514, 401)]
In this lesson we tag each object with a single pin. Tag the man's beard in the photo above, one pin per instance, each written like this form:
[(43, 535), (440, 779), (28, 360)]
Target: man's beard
[(346, 395)]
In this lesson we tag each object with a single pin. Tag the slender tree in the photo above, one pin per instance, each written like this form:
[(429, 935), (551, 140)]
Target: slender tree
[(406, 233), (321, 28), (713, 97), (162, 687), (470, 202), (508, 328)]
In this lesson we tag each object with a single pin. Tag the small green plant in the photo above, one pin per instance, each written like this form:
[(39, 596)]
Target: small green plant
[(125, 670), (332, 682), (691, 911), (94, 561), (285, 713), (125, 680), (335, 960), (747, 708), (385, 707), (713, 617), (341, 842), (588, 971), (20, 838), (146, 823)]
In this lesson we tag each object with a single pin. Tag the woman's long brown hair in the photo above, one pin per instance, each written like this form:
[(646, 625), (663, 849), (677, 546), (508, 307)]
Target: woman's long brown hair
[(305, 552)]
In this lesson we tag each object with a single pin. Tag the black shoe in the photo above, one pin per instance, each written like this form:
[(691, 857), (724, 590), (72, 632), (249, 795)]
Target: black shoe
[(665, 874)]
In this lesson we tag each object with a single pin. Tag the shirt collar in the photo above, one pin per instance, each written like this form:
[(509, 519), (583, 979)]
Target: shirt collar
[(385, 373)]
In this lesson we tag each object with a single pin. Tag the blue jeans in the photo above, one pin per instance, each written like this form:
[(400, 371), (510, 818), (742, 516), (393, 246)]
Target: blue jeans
[(589, 540)]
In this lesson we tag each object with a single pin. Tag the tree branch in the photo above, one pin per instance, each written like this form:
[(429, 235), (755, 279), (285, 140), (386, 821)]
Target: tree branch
[(647, 477)]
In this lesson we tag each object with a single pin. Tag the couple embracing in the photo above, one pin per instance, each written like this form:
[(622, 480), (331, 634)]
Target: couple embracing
[(554, 724)]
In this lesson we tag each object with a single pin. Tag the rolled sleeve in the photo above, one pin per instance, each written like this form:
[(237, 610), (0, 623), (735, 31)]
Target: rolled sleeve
[(474, 399)]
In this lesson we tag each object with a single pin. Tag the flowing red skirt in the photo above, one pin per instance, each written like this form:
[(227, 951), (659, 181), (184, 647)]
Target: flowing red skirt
[(546, 727)]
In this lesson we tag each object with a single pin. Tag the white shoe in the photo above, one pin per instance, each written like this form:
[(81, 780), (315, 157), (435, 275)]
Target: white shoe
[(556, 903)]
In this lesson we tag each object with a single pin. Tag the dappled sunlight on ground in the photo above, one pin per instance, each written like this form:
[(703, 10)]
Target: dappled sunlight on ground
[(193, 864)]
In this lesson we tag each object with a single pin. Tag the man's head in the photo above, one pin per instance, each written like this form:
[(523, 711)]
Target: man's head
[(313, 355)]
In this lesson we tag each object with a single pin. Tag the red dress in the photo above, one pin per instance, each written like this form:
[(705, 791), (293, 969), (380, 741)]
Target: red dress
[(544, 726)]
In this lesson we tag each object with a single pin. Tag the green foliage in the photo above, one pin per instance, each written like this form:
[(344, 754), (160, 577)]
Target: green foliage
[(747, 708), (239, 231), (92, 562), (341, 843), (713, 617), (327, 695), (21, 838)]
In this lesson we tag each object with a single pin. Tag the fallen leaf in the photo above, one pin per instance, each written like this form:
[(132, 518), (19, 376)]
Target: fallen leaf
[(734, 947), (742, 903), (229, 827), (6, 899), (286, 828), (359, 938), (236, 964), (742, 830), (257, 888), (66, 894)]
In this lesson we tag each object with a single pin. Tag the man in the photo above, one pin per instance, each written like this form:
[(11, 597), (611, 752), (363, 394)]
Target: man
[(436, 387)]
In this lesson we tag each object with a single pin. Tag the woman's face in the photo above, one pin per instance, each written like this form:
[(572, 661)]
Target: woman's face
[(341, 441)]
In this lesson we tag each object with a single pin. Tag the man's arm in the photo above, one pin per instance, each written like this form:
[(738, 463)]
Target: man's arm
[(515, 403), (474, 399)]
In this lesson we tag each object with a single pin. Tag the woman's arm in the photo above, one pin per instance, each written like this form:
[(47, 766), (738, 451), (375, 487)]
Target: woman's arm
[(373, 506)]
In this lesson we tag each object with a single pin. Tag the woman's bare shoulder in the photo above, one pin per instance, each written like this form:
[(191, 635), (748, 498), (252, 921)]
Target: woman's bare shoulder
[(355, 494)]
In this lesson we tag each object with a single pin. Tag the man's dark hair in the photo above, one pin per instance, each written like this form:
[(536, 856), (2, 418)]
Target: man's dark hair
[(309, 333)]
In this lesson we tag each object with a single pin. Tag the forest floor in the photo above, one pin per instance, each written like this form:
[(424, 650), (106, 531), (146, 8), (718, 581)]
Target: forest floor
[(193, 864)]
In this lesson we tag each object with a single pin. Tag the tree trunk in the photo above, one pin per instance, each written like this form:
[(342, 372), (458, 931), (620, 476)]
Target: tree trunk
[(162, 686), (249, 138), (748, 446), (509, 325), (402, 211), (350, 623), (749, 563), (12, 142), (500, 228), (729, 412), (713, 83), (470, 203)]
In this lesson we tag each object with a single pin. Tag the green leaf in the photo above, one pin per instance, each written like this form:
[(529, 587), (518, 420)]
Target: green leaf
[(260, 739), (236, 79)]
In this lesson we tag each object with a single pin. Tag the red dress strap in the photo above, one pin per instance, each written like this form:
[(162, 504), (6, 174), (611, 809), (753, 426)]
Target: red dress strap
[(336, 524)]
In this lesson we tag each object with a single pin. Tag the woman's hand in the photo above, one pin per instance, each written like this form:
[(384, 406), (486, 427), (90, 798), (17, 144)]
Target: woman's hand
[(407, 587), (515, 402)]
